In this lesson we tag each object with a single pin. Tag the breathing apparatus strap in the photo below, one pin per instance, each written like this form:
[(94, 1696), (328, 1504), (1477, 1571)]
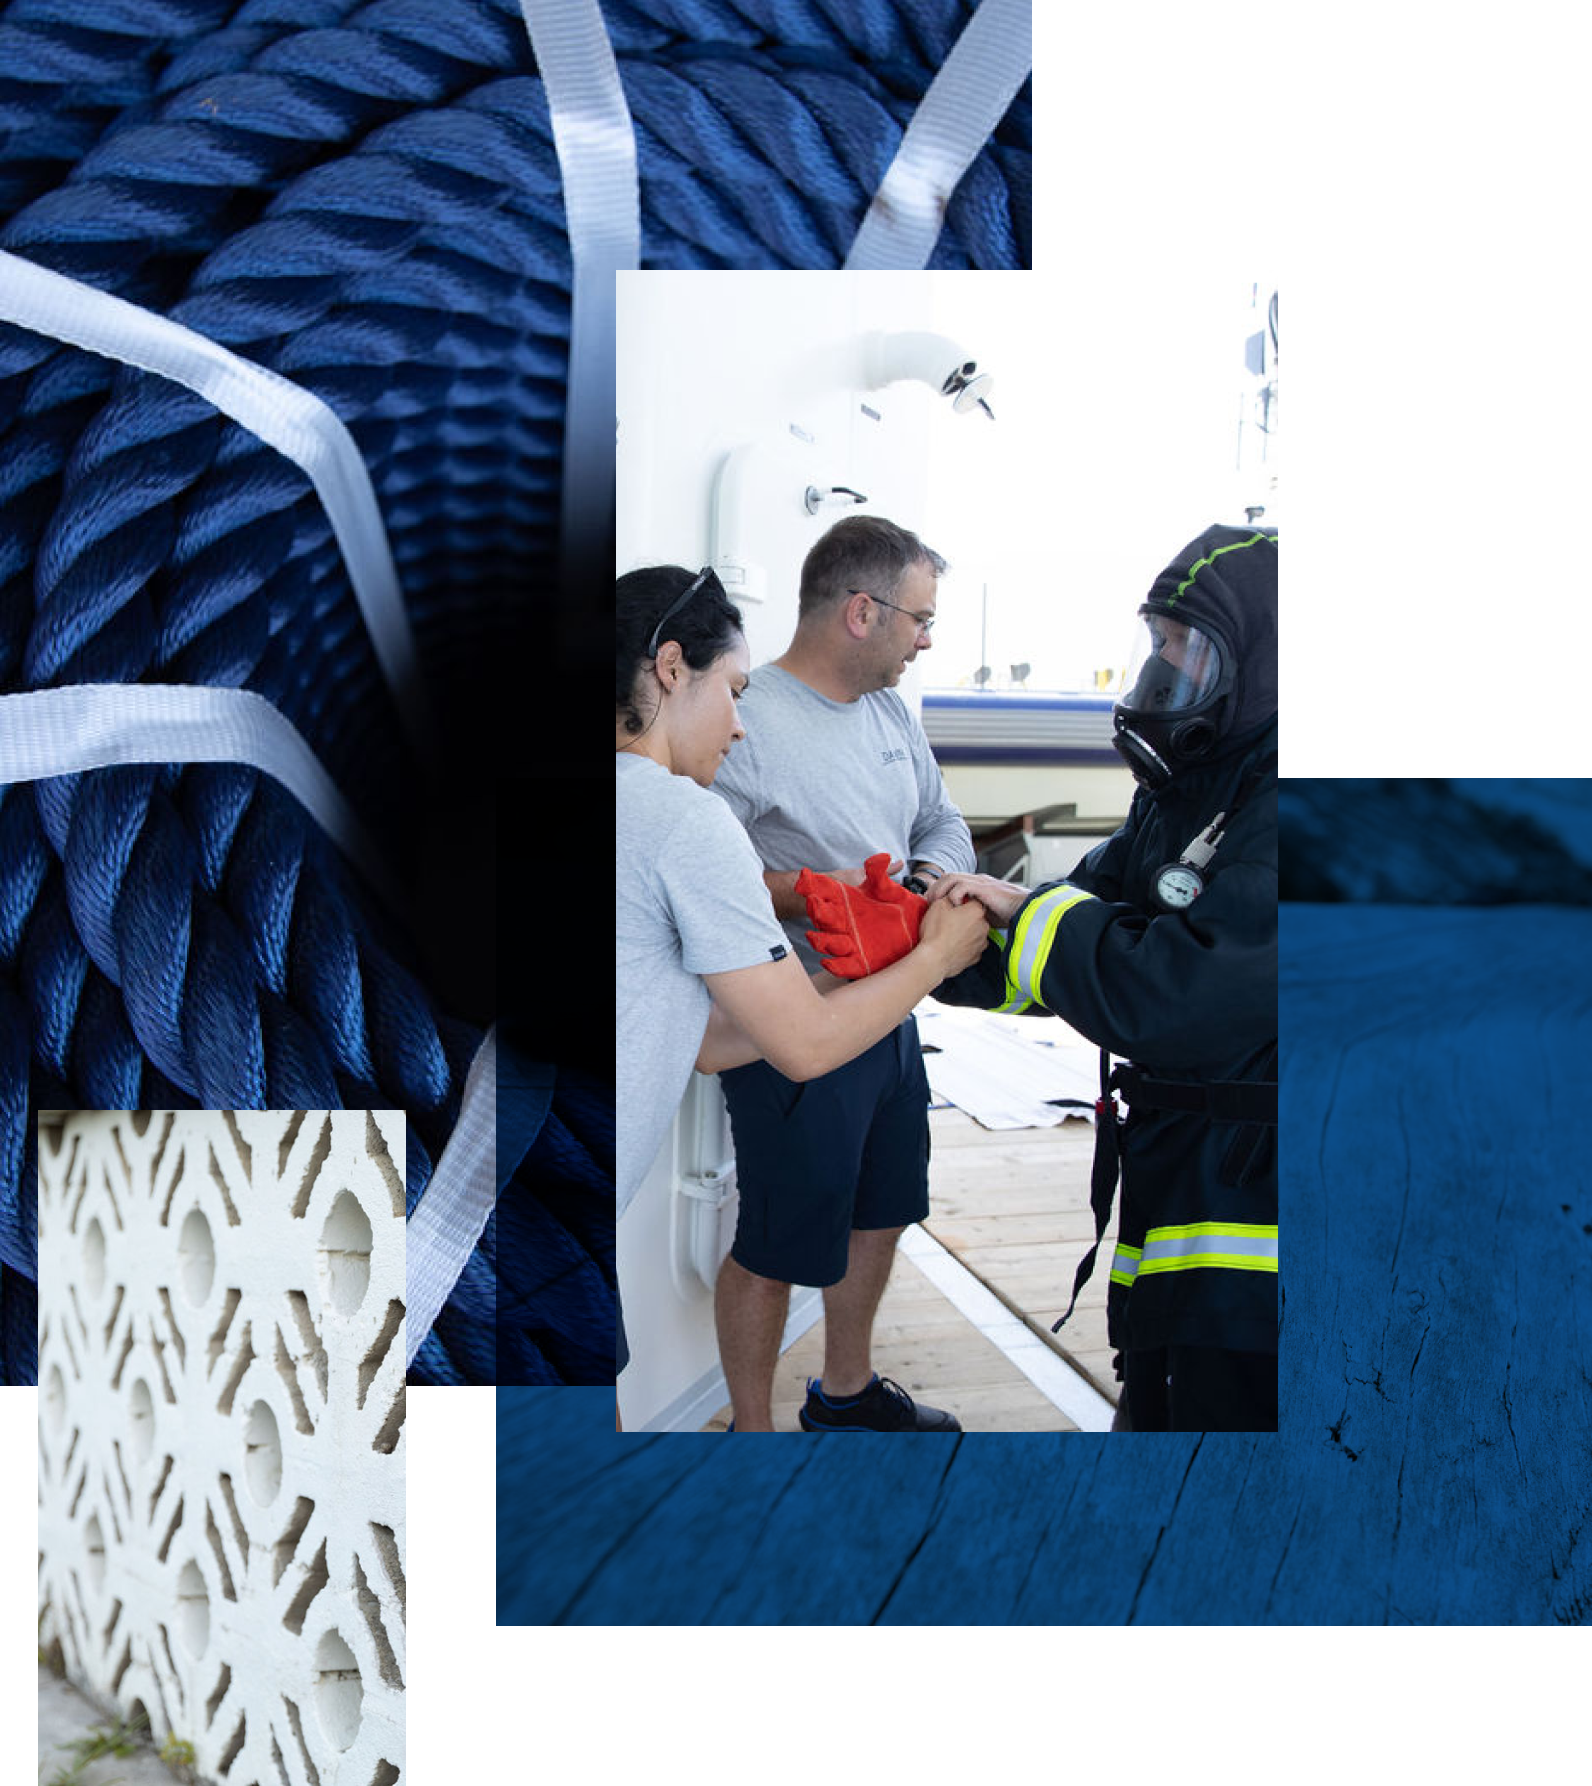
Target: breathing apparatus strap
[(1222, 1100), (1249, 1102), (1102, 1178)]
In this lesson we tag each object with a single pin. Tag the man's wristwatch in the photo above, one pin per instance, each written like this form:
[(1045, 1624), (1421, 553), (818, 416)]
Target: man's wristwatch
[(915, 883)]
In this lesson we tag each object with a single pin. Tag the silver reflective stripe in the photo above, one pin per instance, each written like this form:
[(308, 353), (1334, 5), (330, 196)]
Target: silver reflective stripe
[(1036, 931), (1014, 1001), (1241, 1246), (1125, 1265)]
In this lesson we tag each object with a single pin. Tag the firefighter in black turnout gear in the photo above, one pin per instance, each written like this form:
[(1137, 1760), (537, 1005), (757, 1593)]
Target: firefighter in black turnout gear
[(1161, 946)]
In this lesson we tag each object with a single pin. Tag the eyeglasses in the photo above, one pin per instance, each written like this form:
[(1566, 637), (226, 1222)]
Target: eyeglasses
[(676, 605), (925, 622)]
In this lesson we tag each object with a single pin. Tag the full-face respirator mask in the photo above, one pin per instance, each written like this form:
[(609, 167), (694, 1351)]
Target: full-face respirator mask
[(1174, 691)]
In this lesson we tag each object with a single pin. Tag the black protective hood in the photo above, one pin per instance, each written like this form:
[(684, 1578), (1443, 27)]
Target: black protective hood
[(1224, 584)]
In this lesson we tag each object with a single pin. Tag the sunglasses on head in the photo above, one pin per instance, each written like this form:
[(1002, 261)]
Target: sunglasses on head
[(676, 605)]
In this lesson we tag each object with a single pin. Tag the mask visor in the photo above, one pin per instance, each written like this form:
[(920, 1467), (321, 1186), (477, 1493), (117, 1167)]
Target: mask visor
[(1174, 666)]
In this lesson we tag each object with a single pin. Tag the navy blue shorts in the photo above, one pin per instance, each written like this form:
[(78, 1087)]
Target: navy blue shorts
[(814, 1161)]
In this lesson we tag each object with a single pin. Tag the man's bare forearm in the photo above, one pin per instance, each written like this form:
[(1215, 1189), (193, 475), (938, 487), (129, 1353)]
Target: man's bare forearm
[(781, 884)]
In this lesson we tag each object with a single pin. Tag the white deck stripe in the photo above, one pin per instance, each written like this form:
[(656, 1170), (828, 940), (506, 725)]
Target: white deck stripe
[(1051, 1375)]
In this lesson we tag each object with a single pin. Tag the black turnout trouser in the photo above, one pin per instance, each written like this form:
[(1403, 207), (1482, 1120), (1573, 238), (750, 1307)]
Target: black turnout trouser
[(1195, 1389)]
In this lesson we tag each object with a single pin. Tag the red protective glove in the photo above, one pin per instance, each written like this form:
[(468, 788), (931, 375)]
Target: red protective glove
[(861, 929)]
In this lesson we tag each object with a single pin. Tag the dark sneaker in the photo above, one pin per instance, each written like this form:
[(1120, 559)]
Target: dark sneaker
[(883, 1407)]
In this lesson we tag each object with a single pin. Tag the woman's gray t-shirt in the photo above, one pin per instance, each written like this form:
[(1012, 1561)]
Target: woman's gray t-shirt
[(690, 901)]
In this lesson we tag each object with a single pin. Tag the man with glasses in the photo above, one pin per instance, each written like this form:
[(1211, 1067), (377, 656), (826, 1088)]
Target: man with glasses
[(833, 769)]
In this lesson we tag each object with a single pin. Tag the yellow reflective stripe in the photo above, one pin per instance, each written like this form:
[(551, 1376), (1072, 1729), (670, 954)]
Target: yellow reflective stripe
[(1015, 1002), (1231, 1246), (1124, 1264), (1032, 940)]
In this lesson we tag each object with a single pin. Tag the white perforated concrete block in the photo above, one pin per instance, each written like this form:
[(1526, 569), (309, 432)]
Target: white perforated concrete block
[(221, 1419)]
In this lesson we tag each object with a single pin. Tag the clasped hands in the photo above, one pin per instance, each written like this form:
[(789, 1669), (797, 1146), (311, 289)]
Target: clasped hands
[(863, 928), (1001, 899)]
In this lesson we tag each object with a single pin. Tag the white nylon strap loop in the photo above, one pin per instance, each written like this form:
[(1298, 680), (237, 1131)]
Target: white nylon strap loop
[(62, 731), (596, 145), (284, 415), (964, 103), (449, 1218)]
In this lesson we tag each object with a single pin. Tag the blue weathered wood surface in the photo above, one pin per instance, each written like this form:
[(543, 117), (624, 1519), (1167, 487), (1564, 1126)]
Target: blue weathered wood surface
[(1434, 1463), (1437, 842), (1438, 1134)]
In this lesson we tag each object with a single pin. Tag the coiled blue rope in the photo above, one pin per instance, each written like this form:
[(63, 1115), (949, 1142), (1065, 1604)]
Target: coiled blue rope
[(366, 199)]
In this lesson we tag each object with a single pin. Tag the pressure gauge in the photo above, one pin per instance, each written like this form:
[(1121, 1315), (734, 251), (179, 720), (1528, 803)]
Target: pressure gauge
[(1178, 885)]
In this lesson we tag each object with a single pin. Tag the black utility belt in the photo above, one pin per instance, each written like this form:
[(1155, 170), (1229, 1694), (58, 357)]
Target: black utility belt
[(1224, 1100)]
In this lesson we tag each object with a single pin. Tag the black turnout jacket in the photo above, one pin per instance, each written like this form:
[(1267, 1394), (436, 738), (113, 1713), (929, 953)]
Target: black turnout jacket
[(1187, 997)]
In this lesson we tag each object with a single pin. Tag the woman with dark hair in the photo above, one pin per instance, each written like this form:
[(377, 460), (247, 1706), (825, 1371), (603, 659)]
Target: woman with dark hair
[(695, 932)]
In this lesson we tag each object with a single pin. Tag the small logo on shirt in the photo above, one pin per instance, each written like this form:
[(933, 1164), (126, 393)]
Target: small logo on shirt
[(894, 756), (777, 954)]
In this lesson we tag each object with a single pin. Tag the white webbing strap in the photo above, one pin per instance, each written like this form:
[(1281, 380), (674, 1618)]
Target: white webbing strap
[(62, 731), (449, 1218), (282, 414), (964, 103), (596, 145)]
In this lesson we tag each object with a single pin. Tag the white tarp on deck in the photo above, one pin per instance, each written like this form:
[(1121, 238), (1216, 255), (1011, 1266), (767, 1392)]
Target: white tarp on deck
[(1003, 1071)]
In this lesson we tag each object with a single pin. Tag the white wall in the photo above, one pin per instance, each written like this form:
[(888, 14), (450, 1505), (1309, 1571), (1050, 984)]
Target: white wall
[(709, 362)]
